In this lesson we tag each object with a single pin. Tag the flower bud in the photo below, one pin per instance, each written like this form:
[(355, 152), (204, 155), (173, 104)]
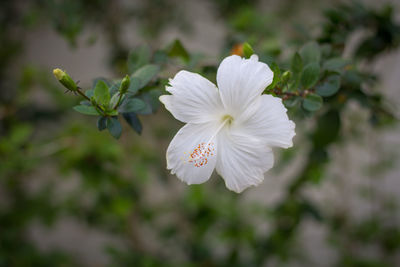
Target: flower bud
[(237, 50), (124, 85), (286, 76), (65, 79), (247, 50)]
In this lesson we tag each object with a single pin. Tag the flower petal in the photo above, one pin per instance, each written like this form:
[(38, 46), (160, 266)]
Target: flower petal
[(194, 98), (241, 81), (189, 157), (242, 160), (269, 122)]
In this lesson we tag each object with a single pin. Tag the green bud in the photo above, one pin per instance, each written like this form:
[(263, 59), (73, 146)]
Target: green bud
[(247, 50), (286, 76), (124, 85), (65, 79)]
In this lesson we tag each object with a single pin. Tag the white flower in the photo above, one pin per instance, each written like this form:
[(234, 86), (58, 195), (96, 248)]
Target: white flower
[(231, 128)]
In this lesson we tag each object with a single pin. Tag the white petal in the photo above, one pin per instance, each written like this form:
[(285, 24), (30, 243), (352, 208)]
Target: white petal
[(241, 81), (194, 98), (269, 122), (181, 159), (242, 160)]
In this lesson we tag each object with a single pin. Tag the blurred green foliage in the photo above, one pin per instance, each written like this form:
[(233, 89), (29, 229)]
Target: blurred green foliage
[(117, 182)]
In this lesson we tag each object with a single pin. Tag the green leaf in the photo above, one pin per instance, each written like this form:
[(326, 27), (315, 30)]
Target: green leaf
[(85, 103), (335, 64), (102, 123), (176, 49), (112, 112), (292, 86), (291, 102), (133, 121), (87, 110), (142, 77), (297, 64), (101, 93), (312, 102), (89, 93), (329, 87), (151, 100), (247, 50), (132, 105), (114, 100), (277, 74), (139, 57), (310, 75), (153, 97), (134, 86), (310, 53), (95, 81), (160, 57), (115, 87), (114, 127), (146, 110)]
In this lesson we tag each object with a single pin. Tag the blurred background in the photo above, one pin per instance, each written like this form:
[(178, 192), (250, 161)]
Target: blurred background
[(71, 195)]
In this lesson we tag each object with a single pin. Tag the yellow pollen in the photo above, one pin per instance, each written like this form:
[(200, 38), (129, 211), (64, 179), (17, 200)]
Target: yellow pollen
[(201, 154)]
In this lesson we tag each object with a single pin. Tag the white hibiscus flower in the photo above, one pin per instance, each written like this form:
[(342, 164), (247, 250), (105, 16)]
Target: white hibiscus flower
[(230, 128)]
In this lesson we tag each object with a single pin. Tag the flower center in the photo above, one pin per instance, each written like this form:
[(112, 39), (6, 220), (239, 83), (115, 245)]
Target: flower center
[(227, 119), (200, 155)]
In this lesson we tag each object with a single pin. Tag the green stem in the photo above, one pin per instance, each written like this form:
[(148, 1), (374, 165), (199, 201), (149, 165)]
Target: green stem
[(287, 95), (119, 101), (78, 90)]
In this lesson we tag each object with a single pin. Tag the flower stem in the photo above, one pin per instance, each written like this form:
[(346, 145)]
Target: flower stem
[(79, 91), (287, 95), (118, 102)]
